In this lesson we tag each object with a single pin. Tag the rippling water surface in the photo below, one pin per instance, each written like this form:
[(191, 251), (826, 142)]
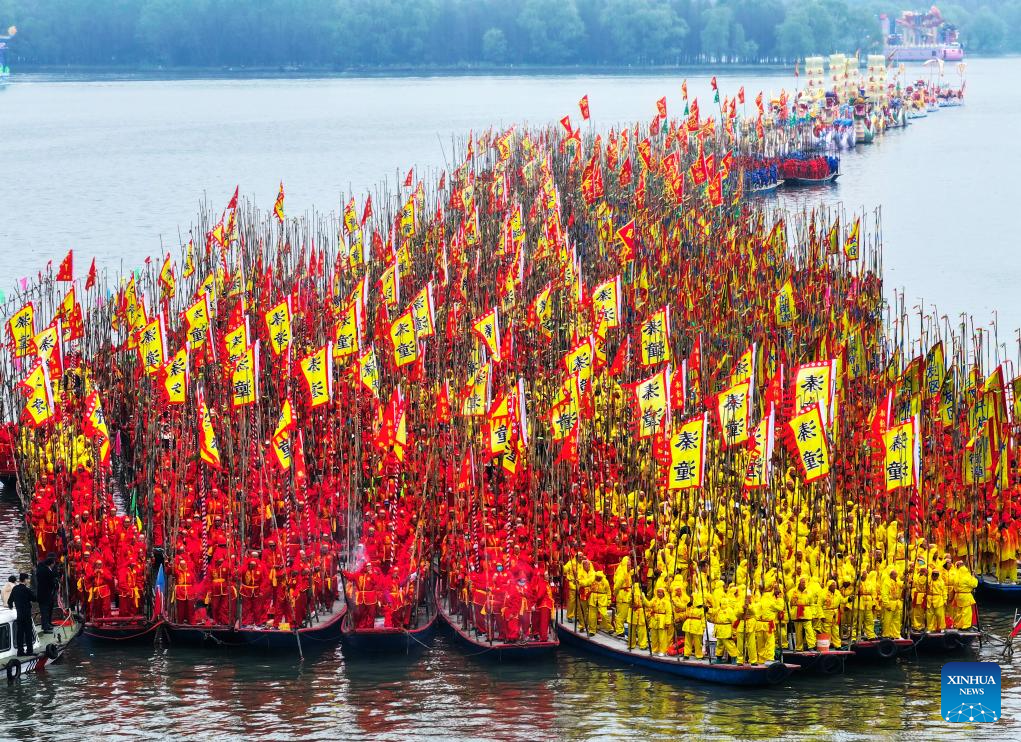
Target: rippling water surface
[(109, 166)]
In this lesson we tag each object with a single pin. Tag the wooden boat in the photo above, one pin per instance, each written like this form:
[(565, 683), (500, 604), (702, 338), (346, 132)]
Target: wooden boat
[(484, 648), (391, 639), (827, 663), (884, 649), (764, 189), (49, 648), (122, 629), (949, 640), (989, 588), (324, 630), (795, 181), (706, 671)]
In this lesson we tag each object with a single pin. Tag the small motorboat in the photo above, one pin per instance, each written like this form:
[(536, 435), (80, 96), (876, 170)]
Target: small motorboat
[(48, 648), (707, 670)]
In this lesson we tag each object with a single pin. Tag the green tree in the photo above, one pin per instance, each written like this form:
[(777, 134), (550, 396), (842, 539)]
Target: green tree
[(494, 45), (553, 30)]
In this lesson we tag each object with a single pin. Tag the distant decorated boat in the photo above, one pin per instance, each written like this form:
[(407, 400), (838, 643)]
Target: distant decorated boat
[(705, 671), (881, 649), (805, 170), (989, 588), (830, 662), (324, 629), (483, 646), (48, 648)]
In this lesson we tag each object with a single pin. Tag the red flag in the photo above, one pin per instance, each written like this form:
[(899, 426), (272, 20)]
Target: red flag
[(566, 123), (233, 205), (569, 451), (713, 82), (367, 211), (66, 271), (661, 107), (583, 105), (91, 280), (740, 95), (407, 178)]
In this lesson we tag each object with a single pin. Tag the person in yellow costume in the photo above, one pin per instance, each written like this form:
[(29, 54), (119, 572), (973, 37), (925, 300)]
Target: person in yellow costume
[(694, 627), (598, 604), (919, 590), (586, 576), (571, 578), (936, 602), (745, 625), (661, 621), (891, 603), (638, 628), (803, 601), (830, 604), (622, 595), (864, 607), (772, 621), (722, 615), (963, 584)]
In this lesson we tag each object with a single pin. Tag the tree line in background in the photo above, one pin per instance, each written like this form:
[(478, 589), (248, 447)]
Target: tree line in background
[(450, 33)]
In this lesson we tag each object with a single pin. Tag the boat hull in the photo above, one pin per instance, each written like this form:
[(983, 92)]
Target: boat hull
[(944, 642), (529, 651), (823, 663), (994, 590), (118, 630), (50, 648), (880, 650), (699, 671), (326, 631), (388, 640), (793, 181)]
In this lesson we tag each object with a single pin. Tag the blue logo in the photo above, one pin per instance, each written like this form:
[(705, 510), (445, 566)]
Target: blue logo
[(970, 692)]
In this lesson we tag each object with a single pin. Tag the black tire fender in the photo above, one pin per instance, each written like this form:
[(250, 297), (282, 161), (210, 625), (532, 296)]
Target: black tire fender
[(52, 651), (776, 672), (952, 641), (831, 664), (13, 668), (887, 648)]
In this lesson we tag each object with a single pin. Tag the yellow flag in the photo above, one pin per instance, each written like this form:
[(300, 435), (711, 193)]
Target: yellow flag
[(810, 437), (209, 450), (21, 328), (564, 417), (152, 345), (175, 382), (579, 361), (813, 382), (197, 320), (606, 305), (404, 339), (281, 440), (245, 378), (760, 458), (168, 284), (39, 407), (783, 307), (423, 313), (901, 461), (733, 410), (655, 337), (236, 341), (278, 322), (317, 369), (851, 245), (978, 457), (652, 397), (95, 426), (189, 260), (934, 370), (476, 398), (487, 328), (346, 335), (687, 454), (368, 370)]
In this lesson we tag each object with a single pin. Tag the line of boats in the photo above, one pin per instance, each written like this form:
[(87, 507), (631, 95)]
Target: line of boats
[(442, 609)]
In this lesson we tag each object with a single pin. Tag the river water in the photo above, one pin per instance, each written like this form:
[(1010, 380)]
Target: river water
[(111, 167)]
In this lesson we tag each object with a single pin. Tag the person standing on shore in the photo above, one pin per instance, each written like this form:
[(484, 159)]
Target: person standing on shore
[(8, 586), (21, 600)]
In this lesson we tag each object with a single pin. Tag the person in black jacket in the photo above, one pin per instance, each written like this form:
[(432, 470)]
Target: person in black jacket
[(46, 589), (21, 600)]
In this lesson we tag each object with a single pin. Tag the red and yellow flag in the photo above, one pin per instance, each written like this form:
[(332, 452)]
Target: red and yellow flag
[(21, 330), (900, 464), (94, 426), (244, 379), (209, 450), (810, 439), (317, 368), (278, 322), (655, 337), (487, 328), (687, 454), (36, 387)]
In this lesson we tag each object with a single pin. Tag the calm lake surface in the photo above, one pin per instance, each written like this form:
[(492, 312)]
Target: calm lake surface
[(110, 166)]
